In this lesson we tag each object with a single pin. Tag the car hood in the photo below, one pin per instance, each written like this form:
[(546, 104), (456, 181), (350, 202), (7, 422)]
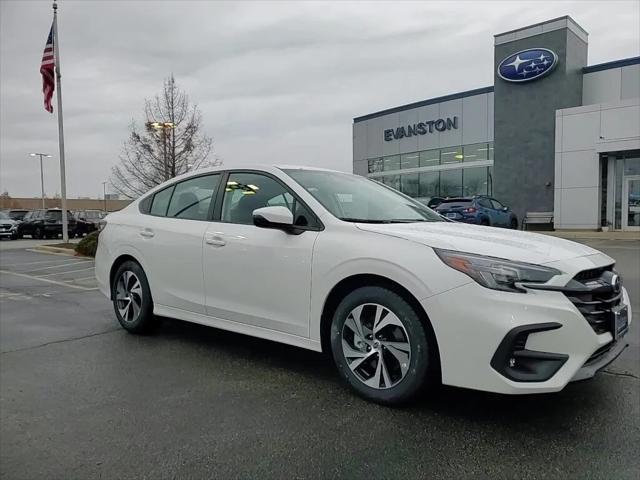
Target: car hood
[(8, 221), (494, 242)]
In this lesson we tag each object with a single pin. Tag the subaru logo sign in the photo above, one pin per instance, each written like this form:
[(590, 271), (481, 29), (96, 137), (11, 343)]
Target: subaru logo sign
[(527, 65)]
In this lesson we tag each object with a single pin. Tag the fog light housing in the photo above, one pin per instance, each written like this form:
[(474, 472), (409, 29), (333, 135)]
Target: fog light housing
[(515, 362)]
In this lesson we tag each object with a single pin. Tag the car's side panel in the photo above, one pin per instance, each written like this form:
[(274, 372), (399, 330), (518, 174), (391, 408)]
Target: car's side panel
[(259, 276), (350, 251)]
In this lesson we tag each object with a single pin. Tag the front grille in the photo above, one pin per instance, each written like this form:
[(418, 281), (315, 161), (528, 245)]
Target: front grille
[(593, 294), (592, 273)]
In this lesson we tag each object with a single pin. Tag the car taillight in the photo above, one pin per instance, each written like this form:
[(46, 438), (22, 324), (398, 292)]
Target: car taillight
[(470, 210)]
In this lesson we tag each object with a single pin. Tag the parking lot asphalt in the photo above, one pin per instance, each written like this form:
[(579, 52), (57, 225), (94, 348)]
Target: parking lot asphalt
[(80, 398)]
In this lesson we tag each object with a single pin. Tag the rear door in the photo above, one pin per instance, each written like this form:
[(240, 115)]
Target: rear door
[(171, 238)]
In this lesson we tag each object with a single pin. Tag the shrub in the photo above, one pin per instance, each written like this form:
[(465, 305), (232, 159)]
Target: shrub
[(88, 245)]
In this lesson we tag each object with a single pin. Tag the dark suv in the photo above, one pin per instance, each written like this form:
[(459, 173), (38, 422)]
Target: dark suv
[(88, 221), (481, 210), (17, 214), (46, 223)]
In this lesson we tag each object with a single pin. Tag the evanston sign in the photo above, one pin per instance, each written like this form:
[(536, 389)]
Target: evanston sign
[(421, 128)]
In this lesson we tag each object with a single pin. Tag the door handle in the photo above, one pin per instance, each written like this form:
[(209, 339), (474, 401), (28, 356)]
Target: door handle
[(147, 233), (215, 240)]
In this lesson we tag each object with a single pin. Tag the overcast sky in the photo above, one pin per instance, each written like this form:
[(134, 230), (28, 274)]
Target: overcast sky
[(277, 82)]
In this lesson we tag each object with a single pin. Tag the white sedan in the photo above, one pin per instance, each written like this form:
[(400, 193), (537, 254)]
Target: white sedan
[(329, 261)]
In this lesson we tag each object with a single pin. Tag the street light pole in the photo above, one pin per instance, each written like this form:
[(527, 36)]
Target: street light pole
[(41, 173), (104, 195)]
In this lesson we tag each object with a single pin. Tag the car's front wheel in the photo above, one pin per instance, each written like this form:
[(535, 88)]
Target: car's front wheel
[(131, 298), (380, 345)]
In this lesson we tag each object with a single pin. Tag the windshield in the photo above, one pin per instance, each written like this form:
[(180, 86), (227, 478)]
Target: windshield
[(357, 199)]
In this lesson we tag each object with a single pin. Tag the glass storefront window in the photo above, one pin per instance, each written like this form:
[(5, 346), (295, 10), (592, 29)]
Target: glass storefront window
[(410, 184), (429, 158), (391, 163), (451, 155), (475, 181), (451, 183), (375, 165), (476, 152), (392, 181), (632, 165), (429, 185), (490, 151), (490, 181), (618, 200), (410, 160)]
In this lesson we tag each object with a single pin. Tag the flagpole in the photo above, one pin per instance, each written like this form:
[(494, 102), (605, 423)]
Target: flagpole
[(63, 183)]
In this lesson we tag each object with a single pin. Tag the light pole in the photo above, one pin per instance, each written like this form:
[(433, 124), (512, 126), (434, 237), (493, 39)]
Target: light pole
[(104, 195), (41, 172), (164, 126)]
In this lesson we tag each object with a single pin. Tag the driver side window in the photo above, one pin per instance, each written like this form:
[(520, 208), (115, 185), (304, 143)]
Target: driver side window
[(246, 192)]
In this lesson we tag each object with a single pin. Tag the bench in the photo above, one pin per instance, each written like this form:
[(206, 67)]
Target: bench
[(542, 219)]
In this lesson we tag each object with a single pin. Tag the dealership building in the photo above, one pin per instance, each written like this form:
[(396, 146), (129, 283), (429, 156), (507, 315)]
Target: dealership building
[(552, 134)]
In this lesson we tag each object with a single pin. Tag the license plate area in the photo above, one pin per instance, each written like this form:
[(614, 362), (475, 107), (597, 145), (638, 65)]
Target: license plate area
[(620, 321), (452, 215)]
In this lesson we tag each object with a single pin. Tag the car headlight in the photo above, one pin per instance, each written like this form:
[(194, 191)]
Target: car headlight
[(497, 273)]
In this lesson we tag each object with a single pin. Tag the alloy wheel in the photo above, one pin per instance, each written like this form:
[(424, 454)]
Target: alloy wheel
[(376, 346), (129, 296)]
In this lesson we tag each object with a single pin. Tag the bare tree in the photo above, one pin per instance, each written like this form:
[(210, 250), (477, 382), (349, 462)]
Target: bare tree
[(170, 143)]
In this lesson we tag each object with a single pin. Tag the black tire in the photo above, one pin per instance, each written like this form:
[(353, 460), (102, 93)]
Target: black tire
[(514, 224), (485, 222), (38, 233), (14, 236), (145, 321), (421, 356)]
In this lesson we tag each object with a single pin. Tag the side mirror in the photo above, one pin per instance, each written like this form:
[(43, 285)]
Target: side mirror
[(505, 209), (273, 217)]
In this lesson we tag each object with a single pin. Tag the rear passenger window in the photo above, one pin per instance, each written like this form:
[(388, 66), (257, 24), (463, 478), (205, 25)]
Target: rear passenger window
[(191, 199), (161, 202)]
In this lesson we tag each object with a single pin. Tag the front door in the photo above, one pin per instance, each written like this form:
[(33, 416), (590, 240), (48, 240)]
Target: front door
[(259, 276), (631, 203)]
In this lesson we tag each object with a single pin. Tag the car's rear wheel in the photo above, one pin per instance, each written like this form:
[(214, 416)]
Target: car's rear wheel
[(514, 224), (485, 222), (131, 297), (380, 345)]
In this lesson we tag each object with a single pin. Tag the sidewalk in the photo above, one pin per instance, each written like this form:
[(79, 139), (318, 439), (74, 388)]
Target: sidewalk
[(593, 235)]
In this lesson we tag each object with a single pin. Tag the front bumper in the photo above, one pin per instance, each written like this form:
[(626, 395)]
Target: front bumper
[(590, 368), (470, 323)]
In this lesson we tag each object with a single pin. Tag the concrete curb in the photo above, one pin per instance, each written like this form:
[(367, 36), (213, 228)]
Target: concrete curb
[(56, 250)]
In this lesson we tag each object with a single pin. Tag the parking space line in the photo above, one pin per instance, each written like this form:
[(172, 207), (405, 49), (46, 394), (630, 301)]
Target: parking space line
[(33, 263), (75, 262), (48, 280), (92, 277), (62, 273)]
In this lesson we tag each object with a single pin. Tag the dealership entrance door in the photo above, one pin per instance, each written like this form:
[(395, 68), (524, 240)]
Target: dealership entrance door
[(631, 203)]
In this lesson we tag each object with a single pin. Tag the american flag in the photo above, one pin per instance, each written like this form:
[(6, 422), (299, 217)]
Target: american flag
[(46, 69)]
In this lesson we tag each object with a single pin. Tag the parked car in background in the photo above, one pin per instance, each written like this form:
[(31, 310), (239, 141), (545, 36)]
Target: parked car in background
[(17, 213), (481, 210), (87, 221), (335, 262), (8, 226), (46, 223)]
